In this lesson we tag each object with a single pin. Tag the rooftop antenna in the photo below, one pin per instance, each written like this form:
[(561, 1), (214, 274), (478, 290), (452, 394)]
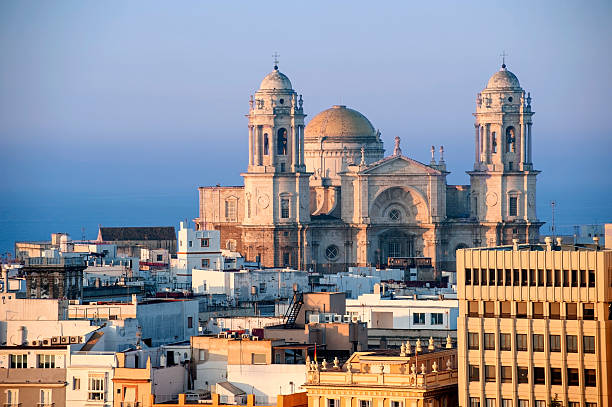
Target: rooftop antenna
[(503, 55), (83, 233), (275, 56), (552, 229)]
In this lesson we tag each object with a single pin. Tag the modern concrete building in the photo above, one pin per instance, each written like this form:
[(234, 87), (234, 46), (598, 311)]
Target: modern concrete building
[(390, 378), (535, 323)]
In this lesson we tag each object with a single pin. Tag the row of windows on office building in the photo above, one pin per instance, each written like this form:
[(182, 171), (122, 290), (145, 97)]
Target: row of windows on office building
[(537, 342), (20, 361), (538, 310), (530, 277), (538, 375), (490, 402)]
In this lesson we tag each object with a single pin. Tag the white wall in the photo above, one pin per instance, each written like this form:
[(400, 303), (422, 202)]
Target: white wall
[(267, 381), (81, 366)]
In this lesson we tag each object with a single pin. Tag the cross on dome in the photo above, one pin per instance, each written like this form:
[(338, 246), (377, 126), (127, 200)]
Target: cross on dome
[(503, 55), (275, 56)]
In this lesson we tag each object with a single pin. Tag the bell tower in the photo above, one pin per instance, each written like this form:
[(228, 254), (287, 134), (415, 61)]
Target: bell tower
[(277, 196), (503, 182)]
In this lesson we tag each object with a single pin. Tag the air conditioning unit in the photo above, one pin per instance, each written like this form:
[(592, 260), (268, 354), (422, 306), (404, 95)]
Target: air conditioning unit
[(64, 340), (55, 340), (255, 338), (346, 318), (46, 342), (74, 339), (355, 318), (222, 335), (245, 336), (35, 343), (337, 318)]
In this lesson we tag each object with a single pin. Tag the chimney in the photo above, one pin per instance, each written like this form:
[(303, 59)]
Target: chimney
[(596, 241), (559, 240)]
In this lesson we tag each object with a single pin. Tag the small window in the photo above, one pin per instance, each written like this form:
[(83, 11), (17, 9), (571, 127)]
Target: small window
[(555, 343), (489, 341), (589, 344), (284, 208), (258, 358), (505, 342), (513, 206), (365, 403), (395, 403), (281, 101), (539, 375), (190, 243), (555, 310), (489, 373), (160, 258), (190, 322), (205, 242), (490, 402), (521, 342), (230, 210), (572, 310), (590, 378), (523, 403), (472, 308), (508, 403), (418, 318), (522, 374), (331, 252), (96, 388), (45, 398), (571, 343), (489, 309), (506, 374), (473, 340), (76, 383), (333, 403), (555, 376), (538, 343), (437, 318), (474, 402), (262, 287), (18, 361), (506, 307), (588, 311), (521, 310), (205, 263), (474, 373), (573, 378), (394, 215), (46, 361), (12, 398), (538, 310)]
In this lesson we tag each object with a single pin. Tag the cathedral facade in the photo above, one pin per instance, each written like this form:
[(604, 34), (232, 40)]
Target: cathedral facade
[(324, 196)]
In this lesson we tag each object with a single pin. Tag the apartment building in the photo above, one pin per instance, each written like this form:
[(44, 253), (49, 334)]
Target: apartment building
[(535, 325)]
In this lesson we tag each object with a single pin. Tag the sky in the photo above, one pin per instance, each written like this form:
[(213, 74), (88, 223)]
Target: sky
[(114, 112)]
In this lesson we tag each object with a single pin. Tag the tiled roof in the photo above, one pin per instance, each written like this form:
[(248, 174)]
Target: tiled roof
[(137, 233)]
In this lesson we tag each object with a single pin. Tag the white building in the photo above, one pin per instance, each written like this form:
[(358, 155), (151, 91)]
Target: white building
[(89, 377), (351, 283), (196, 249), (250, 285), (405, 313)]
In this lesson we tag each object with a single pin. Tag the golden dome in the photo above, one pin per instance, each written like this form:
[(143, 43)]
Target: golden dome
[(341, 122)]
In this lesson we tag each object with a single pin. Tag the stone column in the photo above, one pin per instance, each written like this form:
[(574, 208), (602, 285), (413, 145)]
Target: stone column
[(523, 145), (272, 145), (296, 147), (477, 144), (289, 148), (529, 143), (250, 146), (301, 128)]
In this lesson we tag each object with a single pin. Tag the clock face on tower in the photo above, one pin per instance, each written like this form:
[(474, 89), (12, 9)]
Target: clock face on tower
[(491, 199)]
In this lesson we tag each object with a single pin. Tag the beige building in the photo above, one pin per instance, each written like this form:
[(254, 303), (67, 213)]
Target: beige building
[(386, 378), (535, 322), (325, 196)]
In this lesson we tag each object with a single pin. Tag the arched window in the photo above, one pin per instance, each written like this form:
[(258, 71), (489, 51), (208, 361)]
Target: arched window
[(266, 142), (282, 141), (494, 142), (511, 139)]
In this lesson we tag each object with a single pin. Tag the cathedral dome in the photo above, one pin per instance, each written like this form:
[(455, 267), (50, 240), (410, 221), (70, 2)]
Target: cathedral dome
[(503, 79), (275, 80), (340, 122)]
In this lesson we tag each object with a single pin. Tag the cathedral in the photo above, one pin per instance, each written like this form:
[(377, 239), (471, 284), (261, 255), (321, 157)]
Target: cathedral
[(322, 195)]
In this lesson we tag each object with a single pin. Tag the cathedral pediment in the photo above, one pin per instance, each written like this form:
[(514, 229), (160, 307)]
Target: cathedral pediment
[(399, 165)]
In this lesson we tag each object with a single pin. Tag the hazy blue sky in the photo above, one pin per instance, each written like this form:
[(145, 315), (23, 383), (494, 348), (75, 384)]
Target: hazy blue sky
[(114, 112)]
